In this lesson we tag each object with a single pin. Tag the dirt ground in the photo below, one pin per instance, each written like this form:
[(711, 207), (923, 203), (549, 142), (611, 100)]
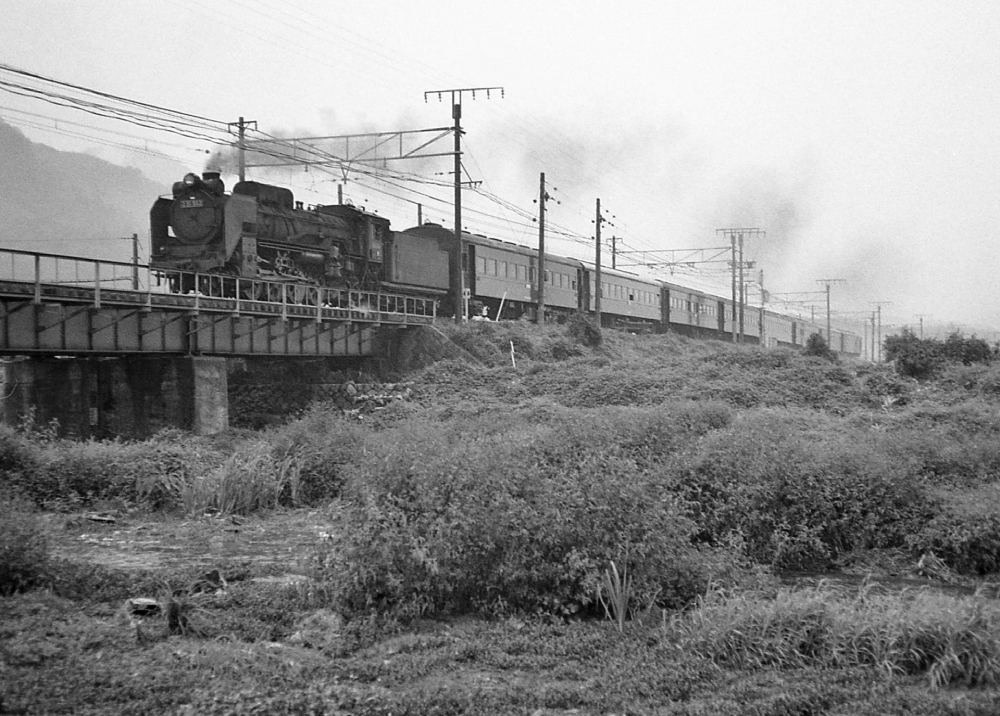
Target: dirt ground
[(280, 542)]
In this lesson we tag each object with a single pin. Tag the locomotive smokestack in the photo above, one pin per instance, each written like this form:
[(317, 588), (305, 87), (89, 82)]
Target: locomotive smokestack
[(213, 180)]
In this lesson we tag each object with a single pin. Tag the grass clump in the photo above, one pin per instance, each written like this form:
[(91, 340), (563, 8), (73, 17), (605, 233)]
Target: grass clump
[(947, 640), (318, 447), (24, 552), (248, 481)]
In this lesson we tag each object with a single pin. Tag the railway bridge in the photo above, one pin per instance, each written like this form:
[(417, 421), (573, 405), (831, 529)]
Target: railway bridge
[(103, 345)]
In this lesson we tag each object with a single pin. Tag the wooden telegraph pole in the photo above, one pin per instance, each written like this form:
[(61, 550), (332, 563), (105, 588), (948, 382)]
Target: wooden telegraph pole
[(241, 127), (455, 255), (542, 198)]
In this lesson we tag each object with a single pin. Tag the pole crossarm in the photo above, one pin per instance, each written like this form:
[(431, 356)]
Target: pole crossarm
[(456, 94)]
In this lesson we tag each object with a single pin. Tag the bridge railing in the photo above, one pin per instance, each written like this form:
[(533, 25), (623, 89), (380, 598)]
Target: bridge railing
[(244, 294), (208, 291), (60, 270)]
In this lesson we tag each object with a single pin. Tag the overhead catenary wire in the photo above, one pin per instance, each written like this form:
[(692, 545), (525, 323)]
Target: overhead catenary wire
[(217, 133)]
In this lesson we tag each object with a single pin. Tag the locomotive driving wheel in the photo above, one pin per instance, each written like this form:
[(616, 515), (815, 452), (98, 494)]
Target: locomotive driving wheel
[(274, 291), (284, 264)]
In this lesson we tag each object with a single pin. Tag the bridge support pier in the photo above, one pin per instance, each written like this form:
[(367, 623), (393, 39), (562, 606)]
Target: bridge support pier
[(130, 397)]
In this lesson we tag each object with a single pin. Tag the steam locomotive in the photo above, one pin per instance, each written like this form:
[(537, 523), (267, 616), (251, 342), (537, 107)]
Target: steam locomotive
[(260, 232)]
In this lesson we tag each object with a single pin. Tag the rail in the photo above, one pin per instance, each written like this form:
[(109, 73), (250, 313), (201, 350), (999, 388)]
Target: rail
[(54, 276)]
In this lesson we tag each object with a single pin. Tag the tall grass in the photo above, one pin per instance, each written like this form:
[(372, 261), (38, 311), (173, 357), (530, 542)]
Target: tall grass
[(252, 479), (949, 640), (24, 551)]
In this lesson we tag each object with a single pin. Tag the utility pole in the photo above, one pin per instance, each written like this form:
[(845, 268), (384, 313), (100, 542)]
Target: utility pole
[(873, 337), (762, 321), (878, 312), (922, 316), (241, 143), (543, 196), (829, 282), (456, 270), (134, 238), (743, 297), (614, 252), (597, 267), (736, 236)]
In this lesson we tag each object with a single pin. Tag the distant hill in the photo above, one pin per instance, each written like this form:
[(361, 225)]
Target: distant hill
[(70, 203)]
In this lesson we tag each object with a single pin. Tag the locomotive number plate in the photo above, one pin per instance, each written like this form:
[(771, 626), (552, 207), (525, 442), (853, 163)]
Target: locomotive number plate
[(192, 203)]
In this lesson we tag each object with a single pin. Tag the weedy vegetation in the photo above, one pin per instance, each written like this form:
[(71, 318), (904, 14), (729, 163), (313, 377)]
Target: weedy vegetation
[(601, 529)]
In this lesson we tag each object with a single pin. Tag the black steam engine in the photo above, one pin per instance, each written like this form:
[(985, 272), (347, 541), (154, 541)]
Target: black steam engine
[(260, 232)]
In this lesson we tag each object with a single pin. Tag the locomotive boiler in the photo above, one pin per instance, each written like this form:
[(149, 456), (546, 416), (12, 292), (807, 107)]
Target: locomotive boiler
[(260, 231)]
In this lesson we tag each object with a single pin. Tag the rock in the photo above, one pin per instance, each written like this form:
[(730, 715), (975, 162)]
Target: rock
[(208, 583), (142, 607), (318, 630), (931, 566)]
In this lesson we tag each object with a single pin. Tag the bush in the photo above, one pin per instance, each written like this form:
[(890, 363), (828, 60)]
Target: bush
[(965, 533), (18, 459), (582, 330), (966, 351), (816, 346), (68, 475), (915, 357), (495, 514), (24, 549), (799, 491)]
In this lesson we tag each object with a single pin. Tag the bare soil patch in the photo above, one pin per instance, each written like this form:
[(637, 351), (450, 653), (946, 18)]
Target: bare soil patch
[(276, 542)]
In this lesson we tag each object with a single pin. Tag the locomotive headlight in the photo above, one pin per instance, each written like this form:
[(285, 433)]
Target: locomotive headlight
[(191, 179)]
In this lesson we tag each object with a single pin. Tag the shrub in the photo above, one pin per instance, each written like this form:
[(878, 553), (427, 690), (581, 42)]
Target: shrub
[(23, 546), (965, 533), (798, 491), (497, 514), (582, 329), (966, 351), (18, 459), (915, 357), (816, 346), (65, 474), (883, 386)]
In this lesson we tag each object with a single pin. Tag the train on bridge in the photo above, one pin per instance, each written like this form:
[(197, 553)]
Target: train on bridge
[(259, 231)]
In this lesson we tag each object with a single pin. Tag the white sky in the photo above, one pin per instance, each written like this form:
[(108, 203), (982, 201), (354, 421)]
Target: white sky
[(861, 135)]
